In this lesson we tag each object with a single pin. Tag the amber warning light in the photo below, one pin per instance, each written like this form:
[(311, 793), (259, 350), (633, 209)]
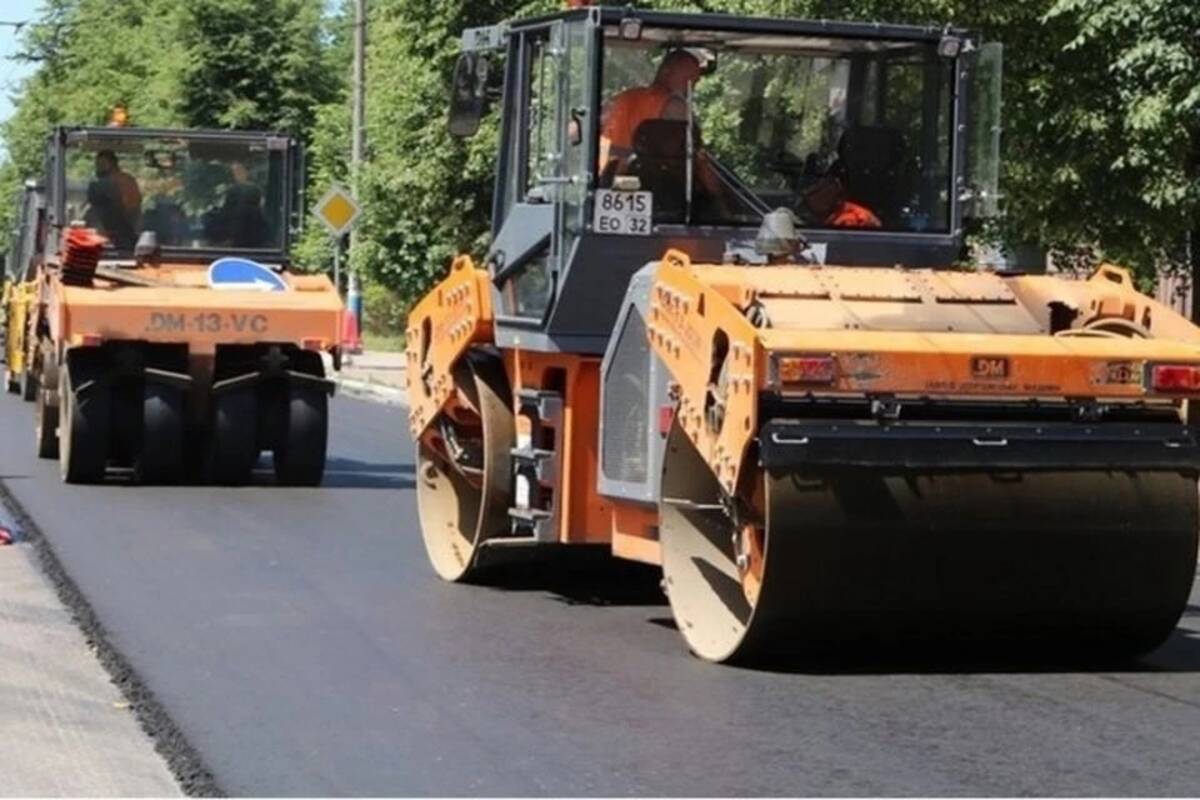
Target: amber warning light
[(1175, 378)]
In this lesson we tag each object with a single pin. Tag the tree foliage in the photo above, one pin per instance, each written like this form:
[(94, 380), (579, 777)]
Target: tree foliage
[(204, 63)]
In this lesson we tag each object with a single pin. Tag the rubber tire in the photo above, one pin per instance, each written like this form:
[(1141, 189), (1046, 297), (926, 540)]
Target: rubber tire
[(233, 441), (83, 429), (45, 426), (300, 457), (160, 455), (29, 385)]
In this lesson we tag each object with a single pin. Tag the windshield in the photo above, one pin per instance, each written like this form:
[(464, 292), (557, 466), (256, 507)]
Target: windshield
[(193, 194), (845, 133)]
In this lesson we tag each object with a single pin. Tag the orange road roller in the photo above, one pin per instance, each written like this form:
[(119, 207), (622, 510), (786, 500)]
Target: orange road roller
[(725, 325), (165, 334)]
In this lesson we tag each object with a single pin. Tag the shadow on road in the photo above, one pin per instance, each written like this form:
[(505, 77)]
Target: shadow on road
[(348, 473), (577, 575), (1180, 653)]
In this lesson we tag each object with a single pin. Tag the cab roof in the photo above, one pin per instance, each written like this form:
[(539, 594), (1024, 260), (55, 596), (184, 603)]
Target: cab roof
[(612, 15)]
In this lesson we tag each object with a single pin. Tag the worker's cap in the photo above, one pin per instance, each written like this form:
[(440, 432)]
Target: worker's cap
[(707, 59)]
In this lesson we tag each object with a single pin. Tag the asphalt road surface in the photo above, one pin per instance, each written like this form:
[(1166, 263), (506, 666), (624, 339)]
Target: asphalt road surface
[(301, 644)]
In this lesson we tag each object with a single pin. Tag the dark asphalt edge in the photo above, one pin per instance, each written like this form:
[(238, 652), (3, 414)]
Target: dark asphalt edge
[(183, 760)]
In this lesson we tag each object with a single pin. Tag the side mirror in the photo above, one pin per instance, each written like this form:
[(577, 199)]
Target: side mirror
[(468, 93)]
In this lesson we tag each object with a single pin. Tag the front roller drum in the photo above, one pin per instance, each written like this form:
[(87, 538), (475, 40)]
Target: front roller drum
[(463, 470), (1068, 562)]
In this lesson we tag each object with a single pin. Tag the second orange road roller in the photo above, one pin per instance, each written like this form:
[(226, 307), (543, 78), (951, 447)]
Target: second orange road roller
[(724, 326), (155, 316)]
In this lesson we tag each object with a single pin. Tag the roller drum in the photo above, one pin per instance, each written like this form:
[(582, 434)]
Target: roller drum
[(464, 502), (1101, 559)]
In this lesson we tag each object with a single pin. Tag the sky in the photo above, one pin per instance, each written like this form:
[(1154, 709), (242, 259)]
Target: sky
[(11, 70)]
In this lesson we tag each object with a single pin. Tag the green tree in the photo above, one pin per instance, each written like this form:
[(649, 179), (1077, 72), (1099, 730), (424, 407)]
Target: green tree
[(1133, 125), (254, 64), (82, 75)]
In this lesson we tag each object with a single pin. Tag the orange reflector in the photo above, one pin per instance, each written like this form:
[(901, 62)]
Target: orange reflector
[(1175, 378), (312, 344), (91, 340), (805, 369)]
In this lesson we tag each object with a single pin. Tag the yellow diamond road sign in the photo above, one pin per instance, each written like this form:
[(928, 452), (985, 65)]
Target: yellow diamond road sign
[(337, 210)]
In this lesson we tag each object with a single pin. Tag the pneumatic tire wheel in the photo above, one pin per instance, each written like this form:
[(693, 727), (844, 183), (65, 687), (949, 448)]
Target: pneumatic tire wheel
[(160, 455), (233, 445), (45, 419), (29, 385), (85, 407), (300, 456), (46, 408)]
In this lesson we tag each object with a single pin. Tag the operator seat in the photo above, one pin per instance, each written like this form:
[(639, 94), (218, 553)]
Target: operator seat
[(877, 172), (660, 162)]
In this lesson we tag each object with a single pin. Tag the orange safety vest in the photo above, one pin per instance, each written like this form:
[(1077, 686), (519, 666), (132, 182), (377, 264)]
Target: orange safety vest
[(128, 191), (852, 215), (624, 114)]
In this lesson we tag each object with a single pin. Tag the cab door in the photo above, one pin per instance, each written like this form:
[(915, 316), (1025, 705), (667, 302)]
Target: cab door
[(542, 184)]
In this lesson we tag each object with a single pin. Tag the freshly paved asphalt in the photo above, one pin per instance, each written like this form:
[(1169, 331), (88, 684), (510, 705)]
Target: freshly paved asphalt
[(299, 641)]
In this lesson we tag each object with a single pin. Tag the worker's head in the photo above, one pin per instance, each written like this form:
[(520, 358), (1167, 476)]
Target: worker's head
[(239, 172), (825, 195), (106, 162), (678, 69)]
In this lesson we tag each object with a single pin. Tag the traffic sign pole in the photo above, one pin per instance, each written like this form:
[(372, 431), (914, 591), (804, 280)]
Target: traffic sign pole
[(338, 210), (337, 265)]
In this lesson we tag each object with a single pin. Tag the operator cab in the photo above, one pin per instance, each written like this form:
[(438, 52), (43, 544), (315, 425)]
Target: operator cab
[(626, 132), (192, 196), (23, 254)]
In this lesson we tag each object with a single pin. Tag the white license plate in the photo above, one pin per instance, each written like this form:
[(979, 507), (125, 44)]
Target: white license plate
[(627, 213)]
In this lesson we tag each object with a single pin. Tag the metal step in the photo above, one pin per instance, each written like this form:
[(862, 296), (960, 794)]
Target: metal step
[(544, 462), (539, 522)]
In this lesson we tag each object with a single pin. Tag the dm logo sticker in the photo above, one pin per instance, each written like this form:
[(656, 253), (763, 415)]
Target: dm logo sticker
[(989, 367)]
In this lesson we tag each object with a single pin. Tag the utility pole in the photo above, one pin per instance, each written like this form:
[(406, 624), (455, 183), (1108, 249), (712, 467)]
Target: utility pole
[(357, 145), (358, 134)]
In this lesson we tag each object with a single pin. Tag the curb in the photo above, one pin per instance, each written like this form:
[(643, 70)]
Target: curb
[(184, 761), (377, 392)]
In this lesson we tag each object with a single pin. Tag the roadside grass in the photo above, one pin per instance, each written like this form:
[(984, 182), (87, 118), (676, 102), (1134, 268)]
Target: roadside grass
[(383, 342)]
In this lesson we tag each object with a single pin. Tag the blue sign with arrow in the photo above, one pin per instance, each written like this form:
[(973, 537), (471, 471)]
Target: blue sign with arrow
[(244, 274)]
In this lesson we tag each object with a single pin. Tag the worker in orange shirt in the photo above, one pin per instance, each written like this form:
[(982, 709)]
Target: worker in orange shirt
[(115, 201), (664, 98), (826, 200)]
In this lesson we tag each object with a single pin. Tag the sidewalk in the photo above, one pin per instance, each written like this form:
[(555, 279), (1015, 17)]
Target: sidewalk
[(65, 729), (379, 375)]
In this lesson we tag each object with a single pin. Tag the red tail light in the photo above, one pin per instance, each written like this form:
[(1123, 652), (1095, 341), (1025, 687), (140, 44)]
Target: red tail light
[(808, 370), (1175, 378)]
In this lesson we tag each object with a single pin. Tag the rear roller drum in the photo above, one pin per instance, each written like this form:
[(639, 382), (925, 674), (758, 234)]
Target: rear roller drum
[(1064, 562), (85, 410), (160, 454), (233, 446), (463, 472)]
